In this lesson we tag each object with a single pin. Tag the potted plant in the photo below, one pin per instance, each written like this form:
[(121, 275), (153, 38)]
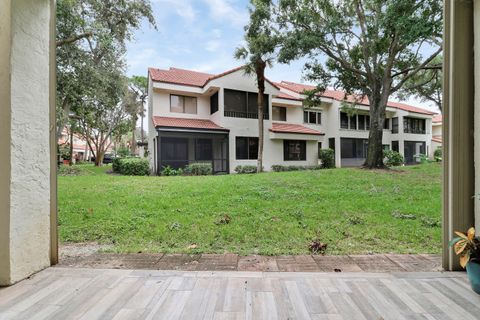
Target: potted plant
[(467, 246)]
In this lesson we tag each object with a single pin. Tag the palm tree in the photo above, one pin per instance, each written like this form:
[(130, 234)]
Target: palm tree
[(261, 41), (256, 66)]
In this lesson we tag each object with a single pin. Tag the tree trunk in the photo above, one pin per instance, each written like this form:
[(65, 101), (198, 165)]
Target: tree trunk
[(133, 142), (377, 118), (99, 157), (70, 163), (260, 71)]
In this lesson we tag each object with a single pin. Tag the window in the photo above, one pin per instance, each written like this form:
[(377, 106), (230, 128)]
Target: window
[(361, 122), (279, 113), (386, 147), (395, 126), (386, 124), (312, 117), (319, 148), (246, 148), (242, 104), (395, 146), (183, 104), (203, 149), (343, 120), (331, 143), (353, 148), (214, 103), (413, 125), (355, 122), (294, 150)]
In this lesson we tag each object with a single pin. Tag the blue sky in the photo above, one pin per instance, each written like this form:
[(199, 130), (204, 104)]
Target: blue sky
[(199, 35)]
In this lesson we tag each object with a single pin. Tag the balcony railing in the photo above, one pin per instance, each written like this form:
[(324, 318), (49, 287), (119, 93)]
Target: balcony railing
[(414, 131), (246, 115)]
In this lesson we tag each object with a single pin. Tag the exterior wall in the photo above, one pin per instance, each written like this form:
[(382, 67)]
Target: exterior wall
[(273, 147), (27, 139)]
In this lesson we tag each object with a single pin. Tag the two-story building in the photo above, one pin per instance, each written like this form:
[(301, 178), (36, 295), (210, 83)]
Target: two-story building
[(200, 117)]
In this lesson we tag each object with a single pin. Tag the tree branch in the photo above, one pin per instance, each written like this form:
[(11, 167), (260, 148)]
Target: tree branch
[(74, 38)]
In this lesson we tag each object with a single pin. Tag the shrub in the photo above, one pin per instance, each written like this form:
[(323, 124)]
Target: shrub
[(327, 158), (246, 169), (280, 168), (392, 158), (199, 169), (169, 171), (116, 163), (437, 154), (123, 152), (133, 167)]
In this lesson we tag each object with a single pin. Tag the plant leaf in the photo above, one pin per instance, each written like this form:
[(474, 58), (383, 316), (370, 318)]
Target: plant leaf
[(460, 246), (453, 241), (471, 233), (461, 235), (464, 259)]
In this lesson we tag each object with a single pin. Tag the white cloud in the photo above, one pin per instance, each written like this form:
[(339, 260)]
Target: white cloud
[(212, 45), (182, 8), (224, 11)]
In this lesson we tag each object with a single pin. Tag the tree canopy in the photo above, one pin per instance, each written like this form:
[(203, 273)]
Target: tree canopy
[(369, 48), (91, 80)]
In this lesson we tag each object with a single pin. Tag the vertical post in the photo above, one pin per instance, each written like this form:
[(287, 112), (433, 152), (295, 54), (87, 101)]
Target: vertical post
[(476, 21), (458, 110), (53, 139)]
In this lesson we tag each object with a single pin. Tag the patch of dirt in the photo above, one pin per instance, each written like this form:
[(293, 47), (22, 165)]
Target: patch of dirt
[(81, 250)]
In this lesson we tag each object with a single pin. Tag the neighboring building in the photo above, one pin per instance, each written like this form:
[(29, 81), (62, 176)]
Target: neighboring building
[(81, 150), (436, 133), (199, 117)]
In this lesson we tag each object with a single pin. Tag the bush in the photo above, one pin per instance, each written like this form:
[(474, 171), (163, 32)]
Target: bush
[(392, 158), (437, 154), (169, 171), (116, 163), (246, 169), (280, 168), (327, 158), (123, 152), (199, 169), (132, 166)]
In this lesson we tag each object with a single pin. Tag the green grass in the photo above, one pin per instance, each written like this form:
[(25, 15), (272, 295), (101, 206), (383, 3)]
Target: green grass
[(271, 213)]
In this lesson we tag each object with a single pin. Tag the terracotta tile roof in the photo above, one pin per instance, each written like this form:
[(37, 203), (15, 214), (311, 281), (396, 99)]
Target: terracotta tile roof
[(186, 123), (189, 77), (292, 128), (437, 119), (340, 96), (180, 76), (437, 139), (283, 95)]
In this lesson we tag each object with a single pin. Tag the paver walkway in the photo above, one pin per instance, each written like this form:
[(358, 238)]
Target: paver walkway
[(233, 262), (76, 293)]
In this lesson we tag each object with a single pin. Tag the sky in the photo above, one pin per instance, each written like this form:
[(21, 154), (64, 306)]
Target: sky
[(201, 35)]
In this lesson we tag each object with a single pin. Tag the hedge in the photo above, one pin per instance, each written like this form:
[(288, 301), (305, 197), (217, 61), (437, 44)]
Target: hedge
[(392, 158), (246, 169), (280, 168), (327, 158), (131, 166), (198, 169)]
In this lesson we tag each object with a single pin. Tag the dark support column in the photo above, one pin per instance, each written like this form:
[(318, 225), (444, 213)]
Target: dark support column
[(458, 112)]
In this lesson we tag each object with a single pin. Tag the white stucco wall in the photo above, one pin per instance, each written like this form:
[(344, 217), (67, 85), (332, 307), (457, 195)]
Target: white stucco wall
[(29, 240)]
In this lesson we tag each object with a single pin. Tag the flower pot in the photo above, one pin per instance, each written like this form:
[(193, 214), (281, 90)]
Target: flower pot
[(473, 271), (65, 162)]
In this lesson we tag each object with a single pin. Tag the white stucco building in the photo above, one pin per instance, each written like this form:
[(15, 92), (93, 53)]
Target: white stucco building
[(199, 117)]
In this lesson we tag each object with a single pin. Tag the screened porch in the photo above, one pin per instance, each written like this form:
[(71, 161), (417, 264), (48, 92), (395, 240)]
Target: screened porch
[(179, 149)]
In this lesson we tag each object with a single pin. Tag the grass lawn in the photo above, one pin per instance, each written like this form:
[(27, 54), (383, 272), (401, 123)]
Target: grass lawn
[(352, 210)]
